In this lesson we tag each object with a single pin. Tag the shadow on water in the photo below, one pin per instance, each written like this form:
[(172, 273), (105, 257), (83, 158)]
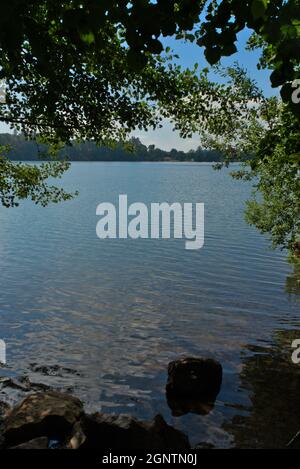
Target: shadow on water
[(273, 383)]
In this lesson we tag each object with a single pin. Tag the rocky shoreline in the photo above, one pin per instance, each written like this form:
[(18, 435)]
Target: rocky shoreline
[(57, 420)]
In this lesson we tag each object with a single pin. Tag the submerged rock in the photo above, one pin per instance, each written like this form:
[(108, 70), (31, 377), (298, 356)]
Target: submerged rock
[(12, 384), (191, 378), (52, 370), (125, 432), (51, 414)]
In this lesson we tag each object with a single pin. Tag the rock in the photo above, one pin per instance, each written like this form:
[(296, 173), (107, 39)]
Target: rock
[(78, 437), (182, 405), (56, 420), (51, 414), (12, 383), (4, 409), (52, 370), (37, 443), (194, 378), (34, 387), (125, 432), (204, 445), (23, 384)]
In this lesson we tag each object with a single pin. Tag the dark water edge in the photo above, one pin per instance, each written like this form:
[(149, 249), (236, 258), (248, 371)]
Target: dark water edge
[(102, 322), (272, 418)]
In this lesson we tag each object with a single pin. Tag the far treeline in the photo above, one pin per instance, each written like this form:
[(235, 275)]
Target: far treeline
[(28, 150)]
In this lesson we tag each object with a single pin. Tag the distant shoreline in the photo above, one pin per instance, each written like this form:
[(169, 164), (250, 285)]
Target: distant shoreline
[(132, 151), (127, 161)]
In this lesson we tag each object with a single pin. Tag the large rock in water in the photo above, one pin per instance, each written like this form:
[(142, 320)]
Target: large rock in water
[(199, 378), (184, 405), (56, 417), (125, 433), (51, 414)]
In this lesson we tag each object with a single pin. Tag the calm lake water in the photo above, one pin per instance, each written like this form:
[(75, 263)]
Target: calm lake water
[(102, 318)]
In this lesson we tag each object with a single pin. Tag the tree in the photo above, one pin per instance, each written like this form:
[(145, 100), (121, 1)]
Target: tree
[(265, 137), (69, 77), (21, 181), (276, 28)]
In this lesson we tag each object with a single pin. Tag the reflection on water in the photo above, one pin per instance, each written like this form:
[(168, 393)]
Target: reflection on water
[(104, 318), (182, 406), (273, 384), (293, 280)]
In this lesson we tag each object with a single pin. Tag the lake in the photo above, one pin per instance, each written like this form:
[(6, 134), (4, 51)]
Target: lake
[(103, 318)]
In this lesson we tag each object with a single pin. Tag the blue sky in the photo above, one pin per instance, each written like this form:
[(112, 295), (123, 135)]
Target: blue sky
[(189, 54)]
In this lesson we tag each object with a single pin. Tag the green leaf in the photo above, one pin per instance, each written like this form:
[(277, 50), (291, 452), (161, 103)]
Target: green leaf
[(294, 157), (259, 8), (286, 92), (212, 55), (277, 77), (155, 46), (88, 38), (229, 50)]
